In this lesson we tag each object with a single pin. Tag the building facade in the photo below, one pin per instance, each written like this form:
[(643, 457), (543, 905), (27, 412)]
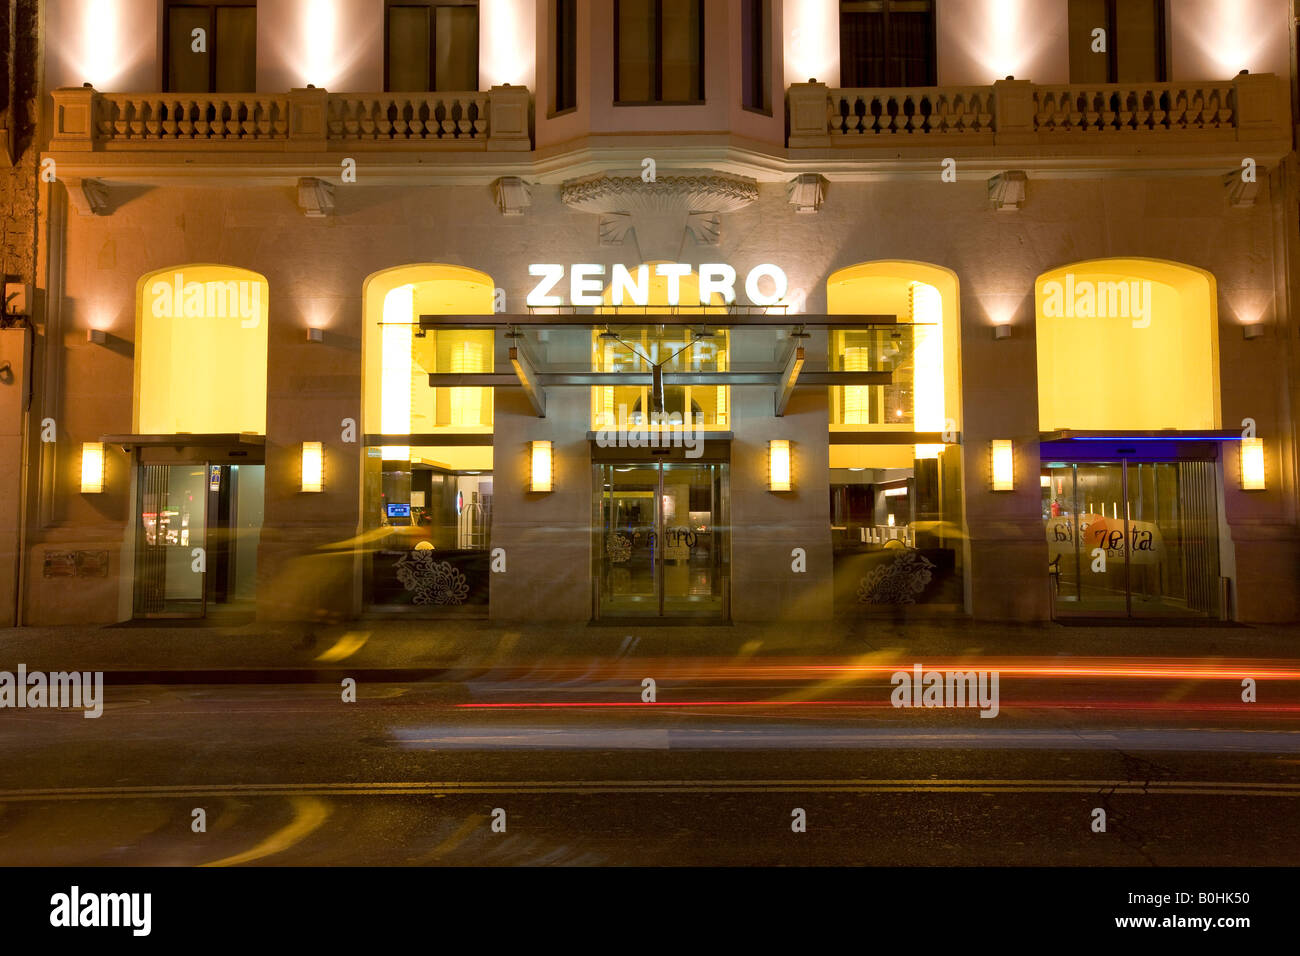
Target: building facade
[(649, 309)]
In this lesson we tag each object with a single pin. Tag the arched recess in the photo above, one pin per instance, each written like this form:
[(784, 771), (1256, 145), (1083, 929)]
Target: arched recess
[(927, 298), (1127, 344), (399, 355), (634, 344), (201, 333), (896, 499)]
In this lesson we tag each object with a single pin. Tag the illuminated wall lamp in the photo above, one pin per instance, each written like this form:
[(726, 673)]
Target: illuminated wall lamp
[(542, 470), (1254, 330), (1252, 464), (92, 468), (778, 465), (1001, 332), (313, 466), (1004, 471)]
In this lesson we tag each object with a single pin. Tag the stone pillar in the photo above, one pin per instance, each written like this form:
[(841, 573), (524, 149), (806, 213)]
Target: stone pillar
[(508, 119), (809, 107)]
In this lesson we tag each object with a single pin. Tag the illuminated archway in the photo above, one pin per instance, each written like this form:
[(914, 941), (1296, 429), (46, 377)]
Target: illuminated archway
[(927, 395), (399, 356), (1127, 345), (896, 500), (201, 332)]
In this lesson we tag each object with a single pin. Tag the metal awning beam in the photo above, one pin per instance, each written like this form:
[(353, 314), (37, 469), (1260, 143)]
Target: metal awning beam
[(528, 380), (630, 379), (793, 365), (684, 317)]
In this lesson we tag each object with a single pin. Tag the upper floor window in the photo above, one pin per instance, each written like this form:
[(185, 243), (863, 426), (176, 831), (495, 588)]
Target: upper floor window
[(564, 34), (756, 55), (211, 47), (431, 46), (659, 50), (1130, 47), (887, 43)]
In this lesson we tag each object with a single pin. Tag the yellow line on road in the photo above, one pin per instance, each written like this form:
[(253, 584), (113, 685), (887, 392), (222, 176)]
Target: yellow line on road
[(309, 814), (312, 812), (345, 647)]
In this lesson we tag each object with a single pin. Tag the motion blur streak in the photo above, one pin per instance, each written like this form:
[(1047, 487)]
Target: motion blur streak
[(309, 814)]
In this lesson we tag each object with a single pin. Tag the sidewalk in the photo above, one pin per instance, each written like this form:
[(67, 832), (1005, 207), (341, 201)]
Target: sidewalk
[(405, 650)]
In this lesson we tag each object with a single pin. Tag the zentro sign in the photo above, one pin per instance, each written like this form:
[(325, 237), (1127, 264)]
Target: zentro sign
[(587, 283)]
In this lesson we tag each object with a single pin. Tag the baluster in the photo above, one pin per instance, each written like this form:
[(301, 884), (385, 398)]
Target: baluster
[(480, 116)]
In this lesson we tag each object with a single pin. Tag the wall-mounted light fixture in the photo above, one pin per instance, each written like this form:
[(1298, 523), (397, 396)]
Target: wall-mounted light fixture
[(96, 336), (313, 466), (1252, 464), (1252, 331), (542, 468), (315, 335), (1001, 332), (1004, 471), (778, 465), (92, 467)]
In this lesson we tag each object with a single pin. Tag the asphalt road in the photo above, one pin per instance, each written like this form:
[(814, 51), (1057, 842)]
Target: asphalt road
[(578, 770)]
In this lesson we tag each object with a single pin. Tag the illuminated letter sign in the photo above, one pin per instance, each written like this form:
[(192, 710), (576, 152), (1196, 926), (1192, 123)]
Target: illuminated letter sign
[(716, 279)]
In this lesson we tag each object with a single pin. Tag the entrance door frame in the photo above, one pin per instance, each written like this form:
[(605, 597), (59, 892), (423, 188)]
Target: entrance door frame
[(1090, 448), (716, 451), (193, 450)]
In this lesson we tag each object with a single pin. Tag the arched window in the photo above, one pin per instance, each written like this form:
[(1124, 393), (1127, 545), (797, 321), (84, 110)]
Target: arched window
[(895, 472), (427, 472), (1128, 345), (201, 351)]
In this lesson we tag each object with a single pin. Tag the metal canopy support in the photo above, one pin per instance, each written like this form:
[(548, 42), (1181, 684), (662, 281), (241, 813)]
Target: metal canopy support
[(793, 365), (563, 379), (652, 315), (529, 379)]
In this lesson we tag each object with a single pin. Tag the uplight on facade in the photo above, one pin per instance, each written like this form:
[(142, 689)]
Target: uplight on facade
[(1252, 464), (1003, 465), (778, 465), (92, 468), (542, 470), (313, 466)]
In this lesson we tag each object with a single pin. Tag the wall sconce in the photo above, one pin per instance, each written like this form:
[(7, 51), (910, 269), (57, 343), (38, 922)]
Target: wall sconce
[(313, 466), (96, 336), (1252, 464), (1004, 471), (92, 467), (1253, 331), (315, 335), (542, 471), (1001, 332), (778, 465)]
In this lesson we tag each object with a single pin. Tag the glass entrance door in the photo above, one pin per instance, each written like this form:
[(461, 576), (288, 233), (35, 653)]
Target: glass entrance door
[(196, 538), (1133, 539), (663, 540)]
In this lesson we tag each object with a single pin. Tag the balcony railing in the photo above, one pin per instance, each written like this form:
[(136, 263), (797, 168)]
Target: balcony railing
[(1016, 111), (310, 119)]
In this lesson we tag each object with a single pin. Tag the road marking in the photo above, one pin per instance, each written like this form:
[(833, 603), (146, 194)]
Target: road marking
[(472, 823), (346, 646), (309, 814), (451, 788)]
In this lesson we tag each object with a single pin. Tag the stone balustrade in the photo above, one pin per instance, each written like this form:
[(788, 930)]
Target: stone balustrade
[(1247, 107), (307, 119)]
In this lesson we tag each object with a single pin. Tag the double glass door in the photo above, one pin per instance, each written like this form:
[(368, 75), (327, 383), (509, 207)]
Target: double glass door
[(1133, 538), (197, 530), (663, 540)]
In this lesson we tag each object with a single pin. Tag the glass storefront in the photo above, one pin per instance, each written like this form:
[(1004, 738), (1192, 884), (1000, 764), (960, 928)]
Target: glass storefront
[(196, 538), (663, 539), (1132, 538)]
